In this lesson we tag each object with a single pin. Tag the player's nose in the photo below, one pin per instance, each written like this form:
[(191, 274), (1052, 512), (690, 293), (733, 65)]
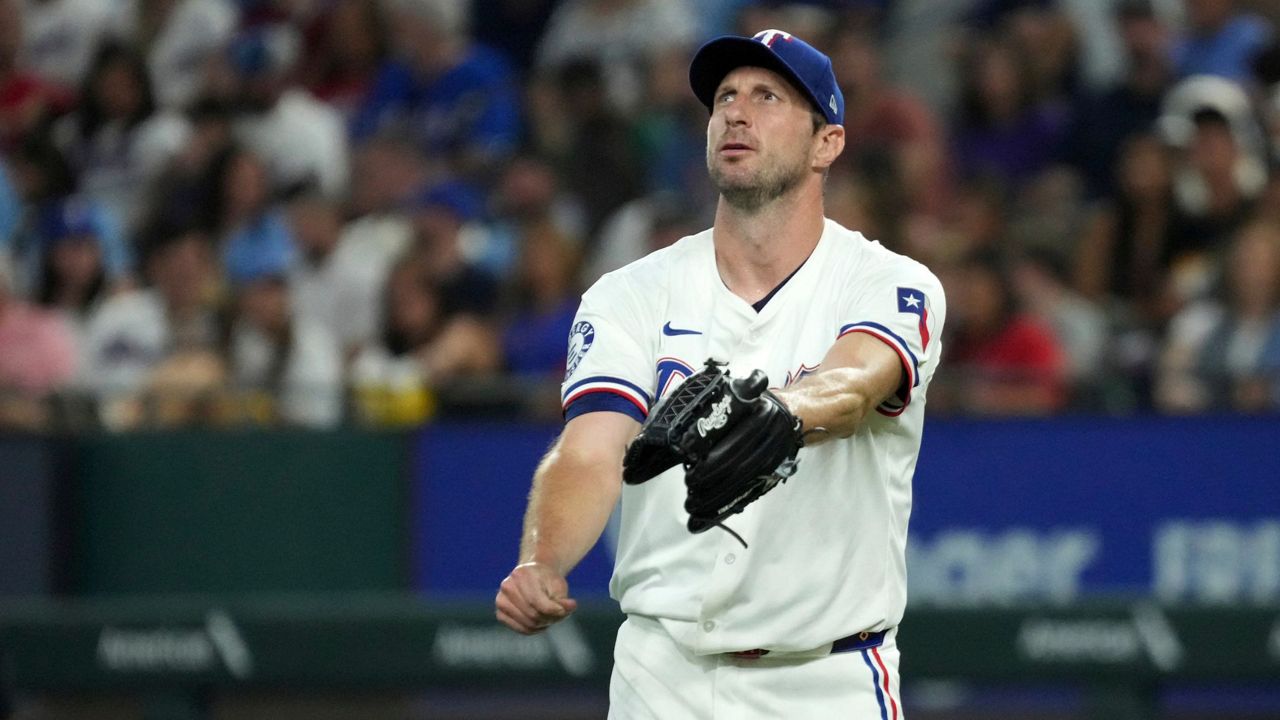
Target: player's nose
[(735, 114)]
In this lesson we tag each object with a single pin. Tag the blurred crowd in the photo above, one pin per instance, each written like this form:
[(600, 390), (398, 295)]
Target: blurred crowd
[(315, 211)]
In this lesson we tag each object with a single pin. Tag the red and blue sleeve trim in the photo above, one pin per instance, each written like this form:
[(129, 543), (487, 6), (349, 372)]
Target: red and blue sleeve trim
[(897, 404), (604, 384), (603, 401)]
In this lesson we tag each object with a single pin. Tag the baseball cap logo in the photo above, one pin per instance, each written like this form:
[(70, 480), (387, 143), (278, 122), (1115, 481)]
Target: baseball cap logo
[(768, 36)]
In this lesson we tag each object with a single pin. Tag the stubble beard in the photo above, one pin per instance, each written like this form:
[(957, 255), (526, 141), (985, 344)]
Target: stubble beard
[(751, 193)]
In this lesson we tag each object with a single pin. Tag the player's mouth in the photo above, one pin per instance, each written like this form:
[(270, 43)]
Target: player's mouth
[(735, 149)]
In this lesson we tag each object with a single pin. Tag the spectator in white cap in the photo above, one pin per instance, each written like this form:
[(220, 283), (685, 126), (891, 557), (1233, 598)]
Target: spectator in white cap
[(1219, 172)]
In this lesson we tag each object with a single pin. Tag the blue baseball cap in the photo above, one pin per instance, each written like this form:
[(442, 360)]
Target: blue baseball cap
[(789, 56)]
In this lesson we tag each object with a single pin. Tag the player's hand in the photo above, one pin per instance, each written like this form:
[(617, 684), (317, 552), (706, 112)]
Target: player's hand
[(532, 598)]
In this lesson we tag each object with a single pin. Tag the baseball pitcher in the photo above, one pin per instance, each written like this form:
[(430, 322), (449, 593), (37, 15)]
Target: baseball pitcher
[(754, 394)]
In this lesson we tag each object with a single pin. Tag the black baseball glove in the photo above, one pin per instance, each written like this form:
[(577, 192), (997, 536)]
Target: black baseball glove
[(735, 439)]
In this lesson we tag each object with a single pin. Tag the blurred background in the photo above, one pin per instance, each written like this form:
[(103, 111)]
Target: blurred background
[(285, 287)]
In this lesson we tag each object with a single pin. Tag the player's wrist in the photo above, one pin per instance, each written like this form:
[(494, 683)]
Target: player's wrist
[(542, 562)]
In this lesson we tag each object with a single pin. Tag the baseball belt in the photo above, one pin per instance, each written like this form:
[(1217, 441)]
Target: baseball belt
[(851, 643)]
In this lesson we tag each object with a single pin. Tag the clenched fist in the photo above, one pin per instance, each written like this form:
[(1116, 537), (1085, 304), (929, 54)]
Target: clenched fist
[(532, 598)]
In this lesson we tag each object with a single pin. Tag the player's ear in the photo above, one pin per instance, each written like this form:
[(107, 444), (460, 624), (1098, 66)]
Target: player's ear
[(829, 143)]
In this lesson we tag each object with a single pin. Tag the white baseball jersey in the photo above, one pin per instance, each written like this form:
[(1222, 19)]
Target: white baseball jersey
[(826, 556)]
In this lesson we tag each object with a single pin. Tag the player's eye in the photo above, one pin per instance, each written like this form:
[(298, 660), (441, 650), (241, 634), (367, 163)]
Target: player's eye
[(725, 96)]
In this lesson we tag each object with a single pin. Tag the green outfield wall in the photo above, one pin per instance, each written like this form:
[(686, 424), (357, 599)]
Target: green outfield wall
[(230, 512)]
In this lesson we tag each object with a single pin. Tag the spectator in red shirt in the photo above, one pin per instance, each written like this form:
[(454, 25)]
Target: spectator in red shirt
[(1006, 362)]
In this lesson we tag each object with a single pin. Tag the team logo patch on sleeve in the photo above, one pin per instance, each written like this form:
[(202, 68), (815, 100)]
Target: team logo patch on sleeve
[(913, 301), (580, 339)]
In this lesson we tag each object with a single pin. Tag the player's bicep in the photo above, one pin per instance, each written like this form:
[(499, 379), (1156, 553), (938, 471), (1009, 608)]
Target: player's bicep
[(597, 439), (881, 368)]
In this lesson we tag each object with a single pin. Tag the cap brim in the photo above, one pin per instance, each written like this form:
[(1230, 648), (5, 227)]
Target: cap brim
[(721, 56)]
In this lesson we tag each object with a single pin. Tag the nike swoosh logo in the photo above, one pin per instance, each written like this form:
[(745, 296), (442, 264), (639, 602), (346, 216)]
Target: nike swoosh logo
[(668, 330)]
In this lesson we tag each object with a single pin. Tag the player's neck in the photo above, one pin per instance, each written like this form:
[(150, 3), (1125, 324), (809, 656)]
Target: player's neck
[(758, 249)]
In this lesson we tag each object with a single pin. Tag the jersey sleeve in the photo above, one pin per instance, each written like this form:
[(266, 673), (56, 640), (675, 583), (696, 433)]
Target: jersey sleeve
[(609, 365), (902, 305)]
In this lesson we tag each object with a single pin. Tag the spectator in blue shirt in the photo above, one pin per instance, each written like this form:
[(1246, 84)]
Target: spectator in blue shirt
[(545, 299), (1221, 40), (458, 100)]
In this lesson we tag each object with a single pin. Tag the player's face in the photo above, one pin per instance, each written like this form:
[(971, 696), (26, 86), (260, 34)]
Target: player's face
[(760, 139)]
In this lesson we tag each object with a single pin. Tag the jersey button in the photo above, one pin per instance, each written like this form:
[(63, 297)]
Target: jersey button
[(730, 559), (708, 626)]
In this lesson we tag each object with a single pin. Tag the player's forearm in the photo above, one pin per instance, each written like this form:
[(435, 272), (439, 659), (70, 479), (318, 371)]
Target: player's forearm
[(569, 507), (836, 400)]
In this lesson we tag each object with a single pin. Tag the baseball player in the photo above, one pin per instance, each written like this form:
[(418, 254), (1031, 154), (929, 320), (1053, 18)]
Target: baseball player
[(797, 615)]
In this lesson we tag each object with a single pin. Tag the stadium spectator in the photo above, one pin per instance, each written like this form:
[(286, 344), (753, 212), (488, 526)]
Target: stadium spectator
[(37, 356), (527, 195), (1217, 181), (621, 37), (244, 213), (302, 140), (881, 118), (1001, 130), (390, 378), (545, 298), (351, 42), (73, 276), (285, 368), (1222, 353), (385, 173), (423, 345), (335, 283), (116, 141), (152, 355), (180, 195), (669, 130), (26, 99), (1042, 289), (449, 237), (36, 175), (60, 37), (456, 99), (1220, 40), (44, 181), (438, 314), (1007, 362), (1046, 40), (178, 38), (586, 140), (1124, 252), (1105, 121)]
